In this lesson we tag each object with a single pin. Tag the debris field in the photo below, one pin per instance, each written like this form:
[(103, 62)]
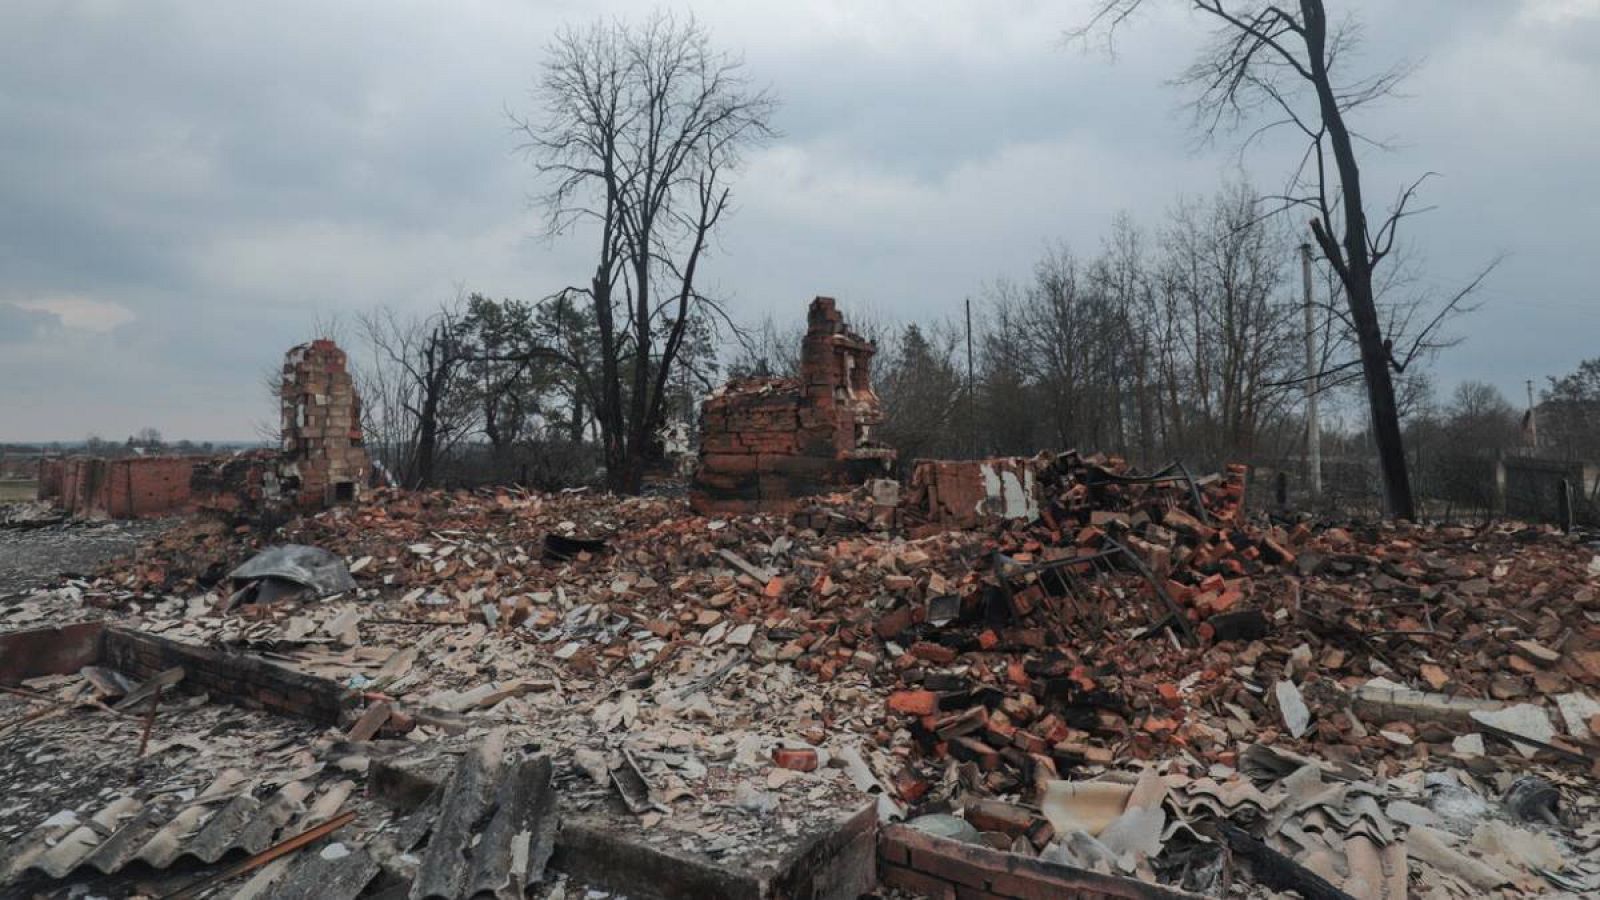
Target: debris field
[(1105, 675)]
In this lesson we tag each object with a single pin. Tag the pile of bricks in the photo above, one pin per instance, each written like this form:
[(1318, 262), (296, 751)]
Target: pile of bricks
[(324, 461), (766, 442), (1056, 578), (1100, 489)]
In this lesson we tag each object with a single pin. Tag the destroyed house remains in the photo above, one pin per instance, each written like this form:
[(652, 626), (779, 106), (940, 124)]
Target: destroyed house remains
[(1014, 677), (322, 460), (767, 442)]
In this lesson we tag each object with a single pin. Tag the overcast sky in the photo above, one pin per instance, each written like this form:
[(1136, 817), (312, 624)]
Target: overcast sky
[(187, 188)]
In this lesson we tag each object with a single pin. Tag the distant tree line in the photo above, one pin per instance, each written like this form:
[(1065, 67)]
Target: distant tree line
[(1185, 340)]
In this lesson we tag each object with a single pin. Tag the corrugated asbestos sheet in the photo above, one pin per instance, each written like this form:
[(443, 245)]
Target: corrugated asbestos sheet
[(226, 818), (490, 831), (503, 857)]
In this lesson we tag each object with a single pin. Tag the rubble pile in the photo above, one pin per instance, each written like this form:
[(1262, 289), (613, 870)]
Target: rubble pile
[(1114, 680), (30, 514)]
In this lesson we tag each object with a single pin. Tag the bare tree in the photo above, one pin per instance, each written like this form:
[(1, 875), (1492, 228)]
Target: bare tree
[(769, 349), (1226, 265), (1283, 62), (147, 437), (418, 401), (1008, 410), (641, 128), (1481, 420)]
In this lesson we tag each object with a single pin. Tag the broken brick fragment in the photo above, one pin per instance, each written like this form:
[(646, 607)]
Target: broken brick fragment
[(914, 703), (934, 653), (800, 759)]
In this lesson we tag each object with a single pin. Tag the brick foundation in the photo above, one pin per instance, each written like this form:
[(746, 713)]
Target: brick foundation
[(943, 869), (765, 442), (242, 679)]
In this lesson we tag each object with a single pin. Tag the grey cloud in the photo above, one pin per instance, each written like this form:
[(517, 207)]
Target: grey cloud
[(232, 173)]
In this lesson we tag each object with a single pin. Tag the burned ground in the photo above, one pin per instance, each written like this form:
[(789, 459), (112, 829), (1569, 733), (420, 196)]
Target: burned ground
[(765, 675), (32, 557)]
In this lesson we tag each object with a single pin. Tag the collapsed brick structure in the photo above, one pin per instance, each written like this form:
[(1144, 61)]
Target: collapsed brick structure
[(765, 442), (136, 487), (128, 488), (969, 492), (324, 461)]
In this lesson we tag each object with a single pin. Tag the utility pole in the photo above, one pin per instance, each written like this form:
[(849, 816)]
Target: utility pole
[(972, 398), (1313, 429), (1533, 419)]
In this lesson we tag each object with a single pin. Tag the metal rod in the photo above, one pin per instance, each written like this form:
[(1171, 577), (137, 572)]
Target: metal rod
[(149, 722)]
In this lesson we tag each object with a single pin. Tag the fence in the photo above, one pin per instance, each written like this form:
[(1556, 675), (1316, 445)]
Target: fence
[(1549, 490), (1450, 486)]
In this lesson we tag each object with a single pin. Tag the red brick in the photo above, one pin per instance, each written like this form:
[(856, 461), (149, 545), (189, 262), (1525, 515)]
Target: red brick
[(947, 868), (893, 849), (935, 653), (997, 815), (800, 759), (915, 703), (921, 883), (894, 622)]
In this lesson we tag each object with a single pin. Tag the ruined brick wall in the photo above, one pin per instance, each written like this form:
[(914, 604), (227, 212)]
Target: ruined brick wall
[(324, 460), (137, 487), (940, 867), (965, 493), (245, 482), (128, 488), (147, 486), (765, 442), (49, 478), (233, 677)]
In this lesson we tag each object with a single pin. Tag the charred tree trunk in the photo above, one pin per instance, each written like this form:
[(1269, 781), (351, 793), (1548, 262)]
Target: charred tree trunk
[(612, 433), (576, 423), (433, 386), (1354, 266)]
